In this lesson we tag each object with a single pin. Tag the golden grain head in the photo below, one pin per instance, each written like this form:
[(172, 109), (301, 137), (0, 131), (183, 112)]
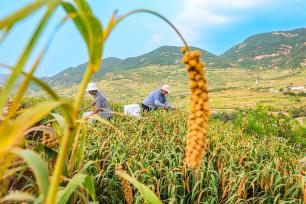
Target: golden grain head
[(197, 123), (184, 49), (192, 74), (127, 189)]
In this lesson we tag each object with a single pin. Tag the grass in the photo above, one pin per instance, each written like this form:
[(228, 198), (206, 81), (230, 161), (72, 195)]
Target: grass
[(49, 154), (164, 168), (242, 156)]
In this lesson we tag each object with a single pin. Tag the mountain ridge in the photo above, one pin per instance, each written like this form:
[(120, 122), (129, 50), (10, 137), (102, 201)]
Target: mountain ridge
[(162, 56), (271, 49), (282, 49)]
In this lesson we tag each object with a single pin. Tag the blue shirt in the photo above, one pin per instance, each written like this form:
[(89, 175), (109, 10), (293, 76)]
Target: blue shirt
[(155, 100), (101, 103)]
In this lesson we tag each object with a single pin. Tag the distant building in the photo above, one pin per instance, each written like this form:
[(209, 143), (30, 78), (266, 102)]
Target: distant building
[(296, 88)]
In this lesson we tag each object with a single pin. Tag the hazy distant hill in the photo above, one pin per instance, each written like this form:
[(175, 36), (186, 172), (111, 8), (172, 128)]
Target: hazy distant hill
[(3, 77), (73, 75), (274, 49)]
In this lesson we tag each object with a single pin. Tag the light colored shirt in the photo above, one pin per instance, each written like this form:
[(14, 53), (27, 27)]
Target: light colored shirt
[(102, 103), (156, 100)]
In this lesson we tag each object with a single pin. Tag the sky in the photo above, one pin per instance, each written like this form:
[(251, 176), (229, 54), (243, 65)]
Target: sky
[(213, 25)]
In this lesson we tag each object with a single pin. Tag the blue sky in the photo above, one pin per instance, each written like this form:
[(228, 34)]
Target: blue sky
[(213, 25)]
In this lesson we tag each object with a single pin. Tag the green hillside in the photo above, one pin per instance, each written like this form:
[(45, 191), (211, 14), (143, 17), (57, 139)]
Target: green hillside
[(73, 75), (274, 49), (283, 49), (163, 56), (230, 88), (169, 55)]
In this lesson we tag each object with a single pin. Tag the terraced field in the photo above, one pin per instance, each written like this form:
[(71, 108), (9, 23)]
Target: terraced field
[(229, 88)]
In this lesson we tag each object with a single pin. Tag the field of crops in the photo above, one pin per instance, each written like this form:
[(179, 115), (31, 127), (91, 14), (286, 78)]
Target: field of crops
[(50, 154), (251, 158), (229, 88)]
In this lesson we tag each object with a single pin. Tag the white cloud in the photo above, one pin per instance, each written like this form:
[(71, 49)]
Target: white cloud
[(197, 17), (199, 14), (156, 39)]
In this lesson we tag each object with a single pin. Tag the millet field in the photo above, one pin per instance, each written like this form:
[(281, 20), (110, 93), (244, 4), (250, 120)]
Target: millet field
[(50, 154)]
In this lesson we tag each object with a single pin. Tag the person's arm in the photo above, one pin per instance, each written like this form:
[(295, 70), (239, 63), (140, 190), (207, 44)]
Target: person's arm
[(168, 105), (102, 105), (98, 105), (159, 104), (97, 110), (157, 101)]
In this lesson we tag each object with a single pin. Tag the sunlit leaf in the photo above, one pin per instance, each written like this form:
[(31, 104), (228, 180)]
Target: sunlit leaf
[(78, 21), (146, 193), (17, 196), (65, 194), (60, 120), (23, 13), (39, 168), (104, 121), (5, 33), (11, 132), (78, 148), (95, 35), (10, 172), (9, 84), (37, 81), (90, 187)]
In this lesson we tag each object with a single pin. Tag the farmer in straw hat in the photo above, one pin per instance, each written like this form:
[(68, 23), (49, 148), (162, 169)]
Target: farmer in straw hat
[(101, 105), (157, 99)]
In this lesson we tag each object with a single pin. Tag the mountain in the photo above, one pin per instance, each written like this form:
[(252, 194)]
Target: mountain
[(162, 56), (284, 49), (4, 77), (274, 49), (73, 75), (169, 55)]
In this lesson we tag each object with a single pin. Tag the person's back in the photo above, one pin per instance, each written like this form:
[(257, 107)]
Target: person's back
[(157, 99), (102, 103), (154, 96)]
